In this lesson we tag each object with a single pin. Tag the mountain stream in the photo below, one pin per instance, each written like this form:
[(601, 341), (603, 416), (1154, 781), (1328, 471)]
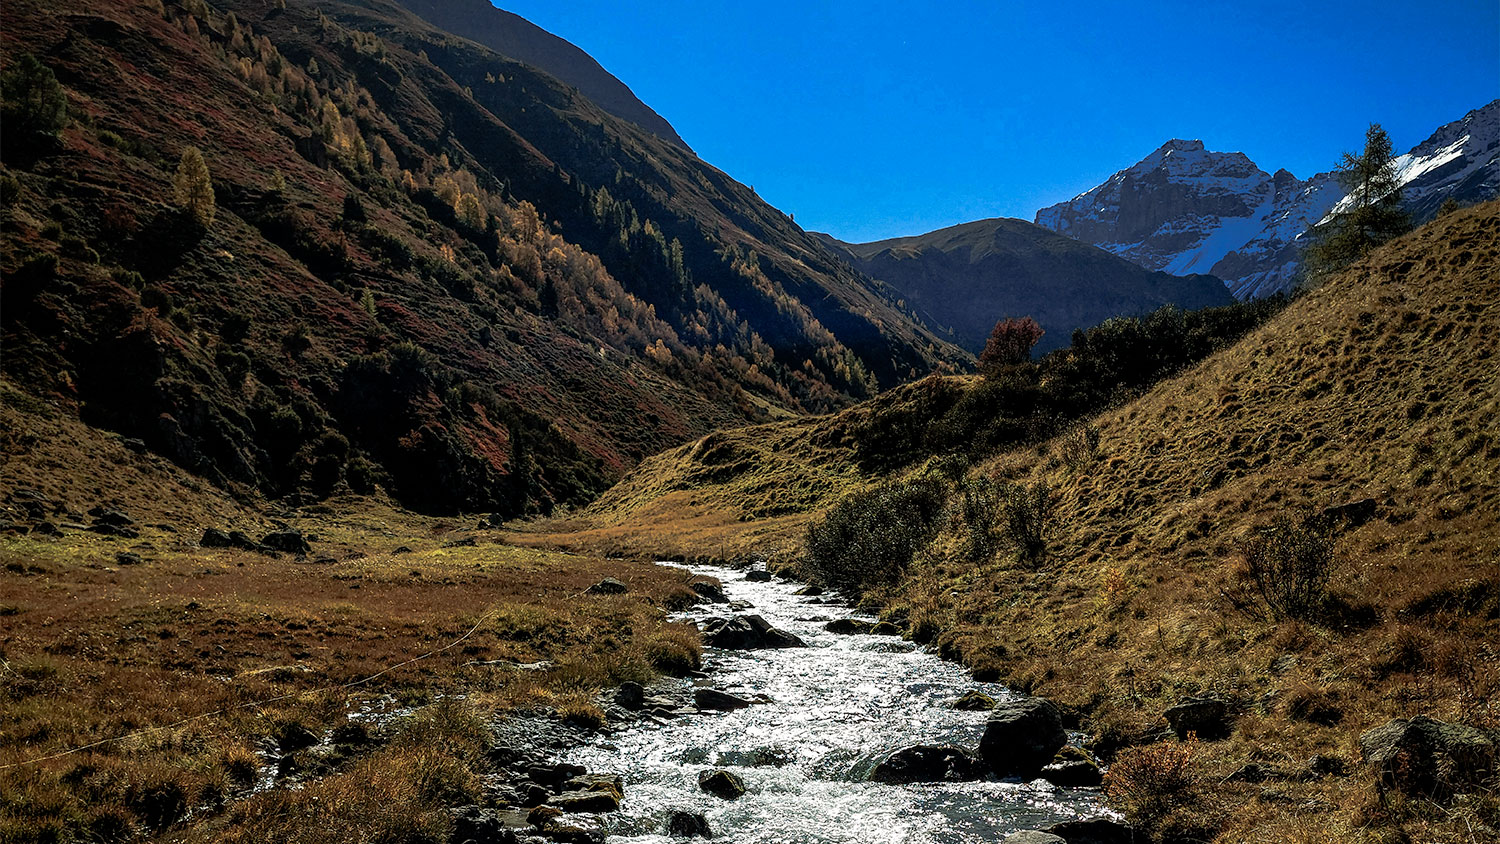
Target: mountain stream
[(836, 709)]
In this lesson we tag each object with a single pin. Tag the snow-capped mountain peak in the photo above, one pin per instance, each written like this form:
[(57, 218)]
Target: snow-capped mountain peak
[(1187, 209)]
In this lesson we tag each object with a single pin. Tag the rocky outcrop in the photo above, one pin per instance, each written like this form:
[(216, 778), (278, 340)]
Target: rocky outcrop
[(747, 632), (1021, 737), (1424, 756), (927, 763), (1185, 209)]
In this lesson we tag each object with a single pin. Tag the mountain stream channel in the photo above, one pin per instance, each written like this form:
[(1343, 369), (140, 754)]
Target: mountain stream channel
[(825, 716)]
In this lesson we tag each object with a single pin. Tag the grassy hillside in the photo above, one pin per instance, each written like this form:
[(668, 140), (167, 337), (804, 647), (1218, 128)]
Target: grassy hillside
[(1379, 386), (431, 270)]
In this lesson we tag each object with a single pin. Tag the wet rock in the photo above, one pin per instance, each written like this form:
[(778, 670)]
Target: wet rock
[(721, 783), (1034, 836), (711, 592), (1073, 773), (688, 825), (885, 628), (719, 701), (573, 834), (288, 540), (542, 816), (534, 795), (975, 701), (476, 825), (848, 626), (1207, 718), (586, 801), (631, 695), (927, 763), (809, 591), (1022, 736), (607, 783), (741, 606), (758, 576), (1424, 756), (759, 757), (554, 775), (747, 632), (1093, 831), (607, 586)]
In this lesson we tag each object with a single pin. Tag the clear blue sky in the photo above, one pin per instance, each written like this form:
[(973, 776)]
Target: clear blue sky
[(871, 119)]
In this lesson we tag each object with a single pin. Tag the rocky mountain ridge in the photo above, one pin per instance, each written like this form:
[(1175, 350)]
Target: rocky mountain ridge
[(1185, 209), (966, 277)]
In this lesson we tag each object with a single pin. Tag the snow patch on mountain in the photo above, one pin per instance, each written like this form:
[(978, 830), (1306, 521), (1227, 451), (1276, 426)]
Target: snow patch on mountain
[(1186, 209)]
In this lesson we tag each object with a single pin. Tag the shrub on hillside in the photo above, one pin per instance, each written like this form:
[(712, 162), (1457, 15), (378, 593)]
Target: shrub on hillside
[(870, 537), (1155, 786), (979, 505), (1010, 343), (1288, 567), (1028, 514)]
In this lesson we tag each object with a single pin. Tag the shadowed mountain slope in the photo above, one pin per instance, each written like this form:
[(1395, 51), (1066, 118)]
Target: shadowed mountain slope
[(515, 37), (432, 269), (967, 277)]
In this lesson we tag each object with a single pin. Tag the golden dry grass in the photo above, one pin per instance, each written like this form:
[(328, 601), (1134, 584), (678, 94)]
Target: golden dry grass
[(92, 649)]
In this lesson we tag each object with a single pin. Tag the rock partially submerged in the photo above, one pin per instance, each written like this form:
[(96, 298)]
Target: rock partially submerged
[(1021, 737), (747, 632), (688, 825), (719, 701), (721, 783), (927, 763), (1093, 831), (974, 701)]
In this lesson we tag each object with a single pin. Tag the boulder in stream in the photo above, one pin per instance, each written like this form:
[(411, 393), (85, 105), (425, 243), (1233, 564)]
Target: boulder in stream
[(1094, 831), (848, 626), (974, 701), (688, 825), (927, 763), (758, 576), (1034, 836), (747, 632), (720, 701), (721, 783), (1022, 736), (586, 801)]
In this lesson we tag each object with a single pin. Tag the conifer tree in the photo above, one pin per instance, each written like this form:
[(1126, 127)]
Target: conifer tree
[(1371, 213), (193, 189), (35, 104)]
